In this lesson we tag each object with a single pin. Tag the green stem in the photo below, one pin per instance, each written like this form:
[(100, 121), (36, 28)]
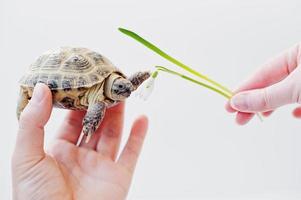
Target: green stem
[(173, 60), (164, 69), (224, 90)]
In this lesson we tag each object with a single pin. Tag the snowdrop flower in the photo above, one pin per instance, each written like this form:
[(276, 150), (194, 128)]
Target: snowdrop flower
[(204, 80), (147, 87)]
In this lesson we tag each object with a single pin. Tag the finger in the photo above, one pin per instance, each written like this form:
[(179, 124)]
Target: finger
[(271, 72), (266, 99), (243, 118), (297, 112), (274, 70), (30, 139), (131, 151), (232, 110), (111, 131), (71, 126)]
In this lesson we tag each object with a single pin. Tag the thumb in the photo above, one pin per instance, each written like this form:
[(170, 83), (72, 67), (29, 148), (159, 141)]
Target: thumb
[(266, 99), (30, 138)]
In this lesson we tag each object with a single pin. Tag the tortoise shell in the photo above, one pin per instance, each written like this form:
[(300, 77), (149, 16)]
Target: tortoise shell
[(69, 68)]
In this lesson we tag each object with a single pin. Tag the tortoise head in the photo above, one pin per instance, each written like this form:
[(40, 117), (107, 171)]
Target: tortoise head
[(118, 88)]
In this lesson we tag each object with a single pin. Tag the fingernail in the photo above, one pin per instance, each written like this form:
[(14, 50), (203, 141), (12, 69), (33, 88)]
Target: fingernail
[(38, 93), (239, 102)]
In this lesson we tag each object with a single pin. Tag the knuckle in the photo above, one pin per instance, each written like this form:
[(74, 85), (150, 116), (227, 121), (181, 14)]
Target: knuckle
[(29, 120), (25, 120), (29, 113)]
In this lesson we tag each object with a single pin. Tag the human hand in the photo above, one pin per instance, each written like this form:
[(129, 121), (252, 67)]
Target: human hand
[(276, 83), (67, 171)]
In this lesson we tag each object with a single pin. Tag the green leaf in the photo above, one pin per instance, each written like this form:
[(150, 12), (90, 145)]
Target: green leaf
[(164, 69)]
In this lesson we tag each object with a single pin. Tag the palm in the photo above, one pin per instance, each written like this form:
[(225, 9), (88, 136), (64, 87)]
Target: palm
[(87, 172)]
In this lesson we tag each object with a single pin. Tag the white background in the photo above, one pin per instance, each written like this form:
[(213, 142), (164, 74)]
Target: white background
[(193, 149)]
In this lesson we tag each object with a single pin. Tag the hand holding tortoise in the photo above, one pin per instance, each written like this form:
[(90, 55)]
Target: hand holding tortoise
[(66, 171)]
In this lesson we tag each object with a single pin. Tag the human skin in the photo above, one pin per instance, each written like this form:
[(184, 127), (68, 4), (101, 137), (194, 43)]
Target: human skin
[(275, 84), (65, 171)]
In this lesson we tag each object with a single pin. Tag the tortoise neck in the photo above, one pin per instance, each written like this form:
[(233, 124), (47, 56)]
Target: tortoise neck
[(109, 83)]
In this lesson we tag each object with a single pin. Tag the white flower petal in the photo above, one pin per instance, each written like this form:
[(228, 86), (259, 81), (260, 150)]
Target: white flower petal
[(146, 88)]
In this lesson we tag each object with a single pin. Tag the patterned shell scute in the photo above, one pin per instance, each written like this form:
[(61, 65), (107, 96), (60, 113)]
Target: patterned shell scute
[(68, 68)]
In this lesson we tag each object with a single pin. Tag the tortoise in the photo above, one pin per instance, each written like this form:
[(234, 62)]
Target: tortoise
[(79, 79)]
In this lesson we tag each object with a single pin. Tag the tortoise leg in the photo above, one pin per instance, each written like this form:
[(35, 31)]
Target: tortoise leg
[(22, 102), (138, 78), (92, 119)]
